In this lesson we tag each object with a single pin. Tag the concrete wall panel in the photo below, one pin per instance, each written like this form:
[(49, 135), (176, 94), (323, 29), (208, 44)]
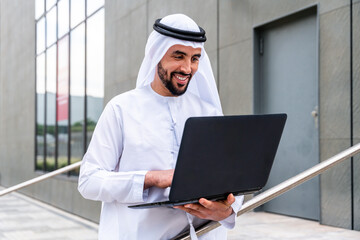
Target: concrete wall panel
[(264, 11), (235, 22), (330, 5), (335, 74), (116, 9), (356, 70), (335, 187), (236, 82), (125, 43), (335, 115), (17, 101), (213, 56), (356, 110), (356, 181)]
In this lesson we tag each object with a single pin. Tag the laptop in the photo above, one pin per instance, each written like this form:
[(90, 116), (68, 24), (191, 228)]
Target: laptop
[(222, 155)]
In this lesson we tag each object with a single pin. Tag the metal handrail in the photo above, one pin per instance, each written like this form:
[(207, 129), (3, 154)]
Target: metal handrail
[(281, 188), (40, 178)]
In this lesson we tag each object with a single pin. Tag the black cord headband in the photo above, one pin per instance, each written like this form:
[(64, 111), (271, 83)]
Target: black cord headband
[(178, 33)]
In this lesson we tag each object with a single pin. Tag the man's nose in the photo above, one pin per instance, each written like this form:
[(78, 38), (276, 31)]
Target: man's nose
[(186, 67)]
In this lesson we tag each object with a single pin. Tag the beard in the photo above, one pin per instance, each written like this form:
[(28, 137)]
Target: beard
[(172, 86)]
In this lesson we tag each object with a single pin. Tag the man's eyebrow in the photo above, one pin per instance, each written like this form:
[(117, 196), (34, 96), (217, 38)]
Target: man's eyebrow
[(178, 52)]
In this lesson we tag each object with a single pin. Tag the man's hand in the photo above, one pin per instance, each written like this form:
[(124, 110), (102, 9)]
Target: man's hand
[(160, 179), (205, 209)]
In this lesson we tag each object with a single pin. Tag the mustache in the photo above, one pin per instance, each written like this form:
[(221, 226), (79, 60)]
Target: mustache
[(182, 73)]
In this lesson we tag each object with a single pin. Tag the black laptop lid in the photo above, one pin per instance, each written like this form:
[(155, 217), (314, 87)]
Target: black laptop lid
[(233, 154)]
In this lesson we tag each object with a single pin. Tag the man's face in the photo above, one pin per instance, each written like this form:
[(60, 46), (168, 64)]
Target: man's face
[(176, 69)]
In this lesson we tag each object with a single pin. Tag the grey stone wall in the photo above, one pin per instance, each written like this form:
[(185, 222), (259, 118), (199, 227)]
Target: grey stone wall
[(335, 114), (17, 47), (356, 109)]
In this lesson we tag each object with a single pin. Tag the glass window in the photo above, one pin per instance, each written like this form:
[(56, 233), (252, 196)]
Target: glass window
[(62, 101), (51, 27), (77, 12), (50, 108), (77, 92), (39, 8), (40, 110), (63, 17), (40, 35), (40, 74), (68, 58), (93, 5), (49, 4), (95, 69)]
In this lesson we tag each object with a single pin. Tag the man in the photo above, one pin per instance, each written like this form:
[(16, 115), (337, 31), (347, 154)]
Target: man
[(133, 151)]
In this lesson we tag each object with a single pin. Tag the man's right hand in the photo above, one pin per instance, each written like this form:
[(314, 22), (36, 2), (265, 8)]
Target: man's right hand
[(160, 179)]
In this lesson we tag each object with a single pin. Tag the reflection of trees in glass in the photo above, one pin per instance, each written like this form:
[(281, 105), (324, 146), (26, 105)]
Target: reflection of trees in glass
[(78, 126), (49, 129), (40, 129), (90, 124)]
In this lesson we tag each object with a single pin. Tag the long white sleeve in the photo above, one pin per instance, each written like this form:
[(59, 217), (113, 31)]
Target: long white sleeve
[(98, 178)]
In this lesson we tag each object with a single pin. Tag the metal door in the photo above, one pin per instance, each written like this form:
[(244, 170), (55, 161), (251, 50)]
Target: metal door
[(288, 82)]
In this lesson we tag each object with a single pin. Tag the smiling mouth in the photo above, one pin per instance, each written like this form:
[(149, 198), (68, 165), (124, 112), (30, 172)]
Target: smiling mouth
[(181, 79)]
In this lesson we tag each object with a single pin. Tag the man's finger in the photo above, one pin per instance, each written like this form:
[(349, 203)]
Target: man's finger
[(230, 199), (192, 211), (206, 203), (196, 207)]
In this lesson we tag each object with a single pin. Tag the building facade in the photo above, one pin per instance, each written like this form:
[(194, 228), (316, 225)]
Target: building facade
[(299, 57)]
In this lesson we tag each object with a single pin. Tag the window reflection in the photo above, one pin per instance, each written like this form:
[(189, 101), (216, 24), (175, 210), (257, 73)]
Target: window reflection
[(51, 27), (62, 101), (63, 17), (77, 12), (50, 3), (77, 92), (93, 5), (40, 113), (39, 8), (50, 107), (40, 35), (95, 70)]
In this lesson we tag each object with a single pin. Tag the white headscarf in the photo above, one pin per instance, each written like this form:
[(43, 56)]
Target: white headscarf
[(202, 83)]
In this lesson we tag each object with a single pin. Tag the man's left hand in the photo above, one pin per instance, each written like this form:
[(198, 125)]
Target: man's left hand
[(212, 210)]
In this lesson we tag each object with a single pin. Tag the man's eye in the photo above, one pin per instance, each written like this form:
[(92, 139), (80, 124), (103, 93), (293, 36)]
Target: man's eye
[(195, 59), (179, 57)]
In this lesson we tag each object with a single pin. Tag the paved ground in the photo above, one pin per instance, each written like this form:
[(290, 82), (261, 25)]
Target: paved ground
[(267, 226), (22, 218)]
